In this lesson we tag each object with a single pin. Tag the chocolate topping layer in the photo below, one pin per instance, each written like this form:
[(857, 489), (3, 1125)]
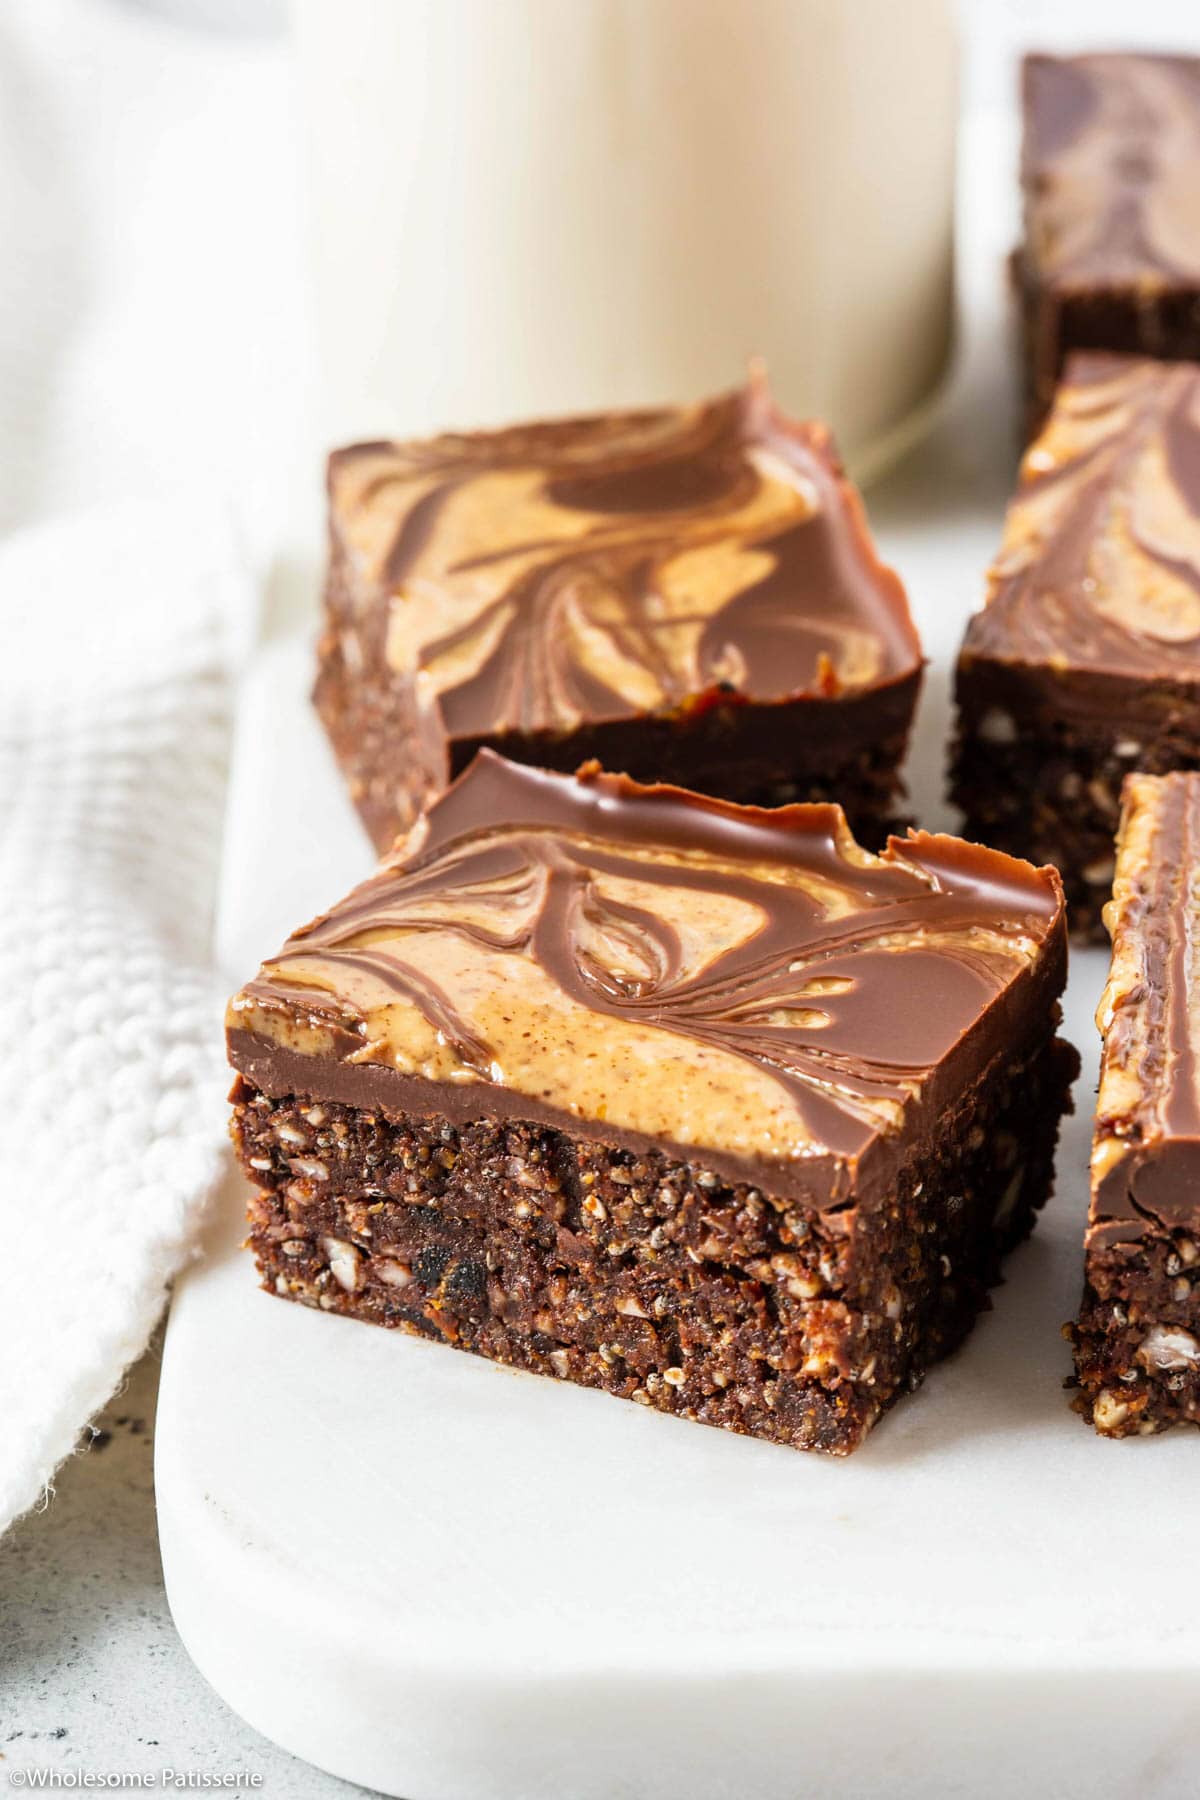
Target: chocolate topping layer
[(1146, 1148), (1111, 170), (603, 568), (655, 967), (1099, 570)]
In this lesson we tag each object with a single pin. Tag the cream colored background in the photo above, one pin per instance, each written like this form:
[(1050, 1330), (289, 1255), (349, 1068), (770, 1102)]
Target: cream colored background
[(609, 203)]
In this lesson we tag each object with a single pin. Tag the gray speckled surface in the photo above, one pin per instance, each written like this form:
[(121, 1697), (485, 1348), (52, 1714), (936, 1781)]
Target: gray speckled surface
[(92, 1674)]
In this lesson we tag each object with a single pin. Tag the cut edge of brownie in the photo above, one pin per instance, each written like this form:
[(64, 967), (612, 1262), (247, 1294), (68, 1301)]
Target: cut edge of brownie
[(1037, 772), (649, 1277), (1136, 1367), (1137, 1338), (1057, 320), (753, 753)]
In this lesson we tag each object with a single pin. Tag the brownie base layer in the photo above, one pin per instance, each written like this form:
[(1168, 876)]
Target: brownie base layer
[(1137, 1340), (1159, 322), (755, 754), (1053, 794), (647, 1277)]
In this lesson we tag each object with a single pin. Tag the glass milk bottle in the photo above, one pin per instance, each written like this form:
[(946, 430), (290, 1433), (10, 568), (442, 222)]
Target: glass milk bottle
[(523, 208)]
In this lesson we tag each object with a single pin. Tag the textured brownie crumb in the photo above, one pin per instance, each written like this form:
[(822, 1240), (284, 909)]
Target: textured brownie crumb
[(1055, 797), (647, 1277), (1165, 325), (1137, 1342), (373, 725)]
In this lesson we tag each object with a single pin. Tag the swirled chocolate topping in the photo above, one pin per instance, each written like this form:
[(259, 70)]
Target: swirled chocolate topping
[(1111, 169), (1146, 1147), (659, 968), (1100, 564), (608, 567)]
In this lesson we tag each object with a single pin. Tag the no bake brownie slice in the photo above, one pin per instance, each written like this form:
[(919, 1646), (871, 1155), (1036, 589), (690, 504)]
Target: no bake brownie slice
[(1137, 1343), (700, 1105), (688, 595), (1084, 663), (1110, 171)]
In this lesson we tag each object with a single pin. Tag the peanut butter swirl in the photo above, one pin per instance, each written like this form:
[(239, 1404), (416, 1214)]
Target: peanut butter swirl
[(646, 963), (1112, 170), (1146, 1145), (1100, 563), (607, 567)]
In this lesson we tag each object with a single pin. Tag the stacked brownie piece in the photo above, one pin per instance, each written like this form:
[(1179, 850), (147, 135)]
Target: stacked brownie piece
[(700, 1105), (1110, 168), (687, 595), (1137, 1343), (1084, 663)]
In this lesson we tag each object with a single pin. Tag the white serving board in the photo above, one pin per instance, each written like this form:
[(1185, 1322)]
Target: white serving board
[(450, 1581)]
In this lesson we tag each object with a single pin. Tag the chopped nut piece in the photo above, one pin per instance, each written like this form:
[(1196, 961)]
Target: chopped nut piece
[(343, 1262), (309, 1166), (1164, 1348), (1109, 1411), (997, 727), (392, 1273)]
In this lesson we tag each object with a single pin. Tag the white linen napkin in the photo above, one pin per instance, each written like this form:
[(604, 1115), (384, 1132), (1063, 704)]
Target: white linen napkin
[(119, 635)]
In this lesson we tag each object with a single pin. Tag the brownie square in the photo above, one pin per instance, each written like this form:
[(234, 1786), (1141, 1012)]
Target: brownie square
[(700, 1105), (1084, 663), (1111, 252), (1137, 1342), (689, 595)]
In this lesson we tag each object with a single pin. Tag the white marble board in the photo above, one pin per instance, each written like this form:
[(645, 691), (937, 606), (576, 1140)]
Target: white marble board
[(452, 1582)]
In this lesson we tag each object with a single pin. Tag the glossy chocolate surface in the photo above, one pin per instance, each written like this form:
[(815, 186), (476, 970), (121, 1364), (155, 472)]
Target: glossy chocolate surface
[(1146, 1148), (657, 968), (1099, 570), (604, 568), (1111, 171)]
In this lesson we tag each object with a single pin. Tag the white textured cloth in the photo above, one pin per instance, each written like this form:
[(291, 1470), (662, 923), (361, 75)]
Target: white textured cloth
[(151, 346), (120, 633)]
